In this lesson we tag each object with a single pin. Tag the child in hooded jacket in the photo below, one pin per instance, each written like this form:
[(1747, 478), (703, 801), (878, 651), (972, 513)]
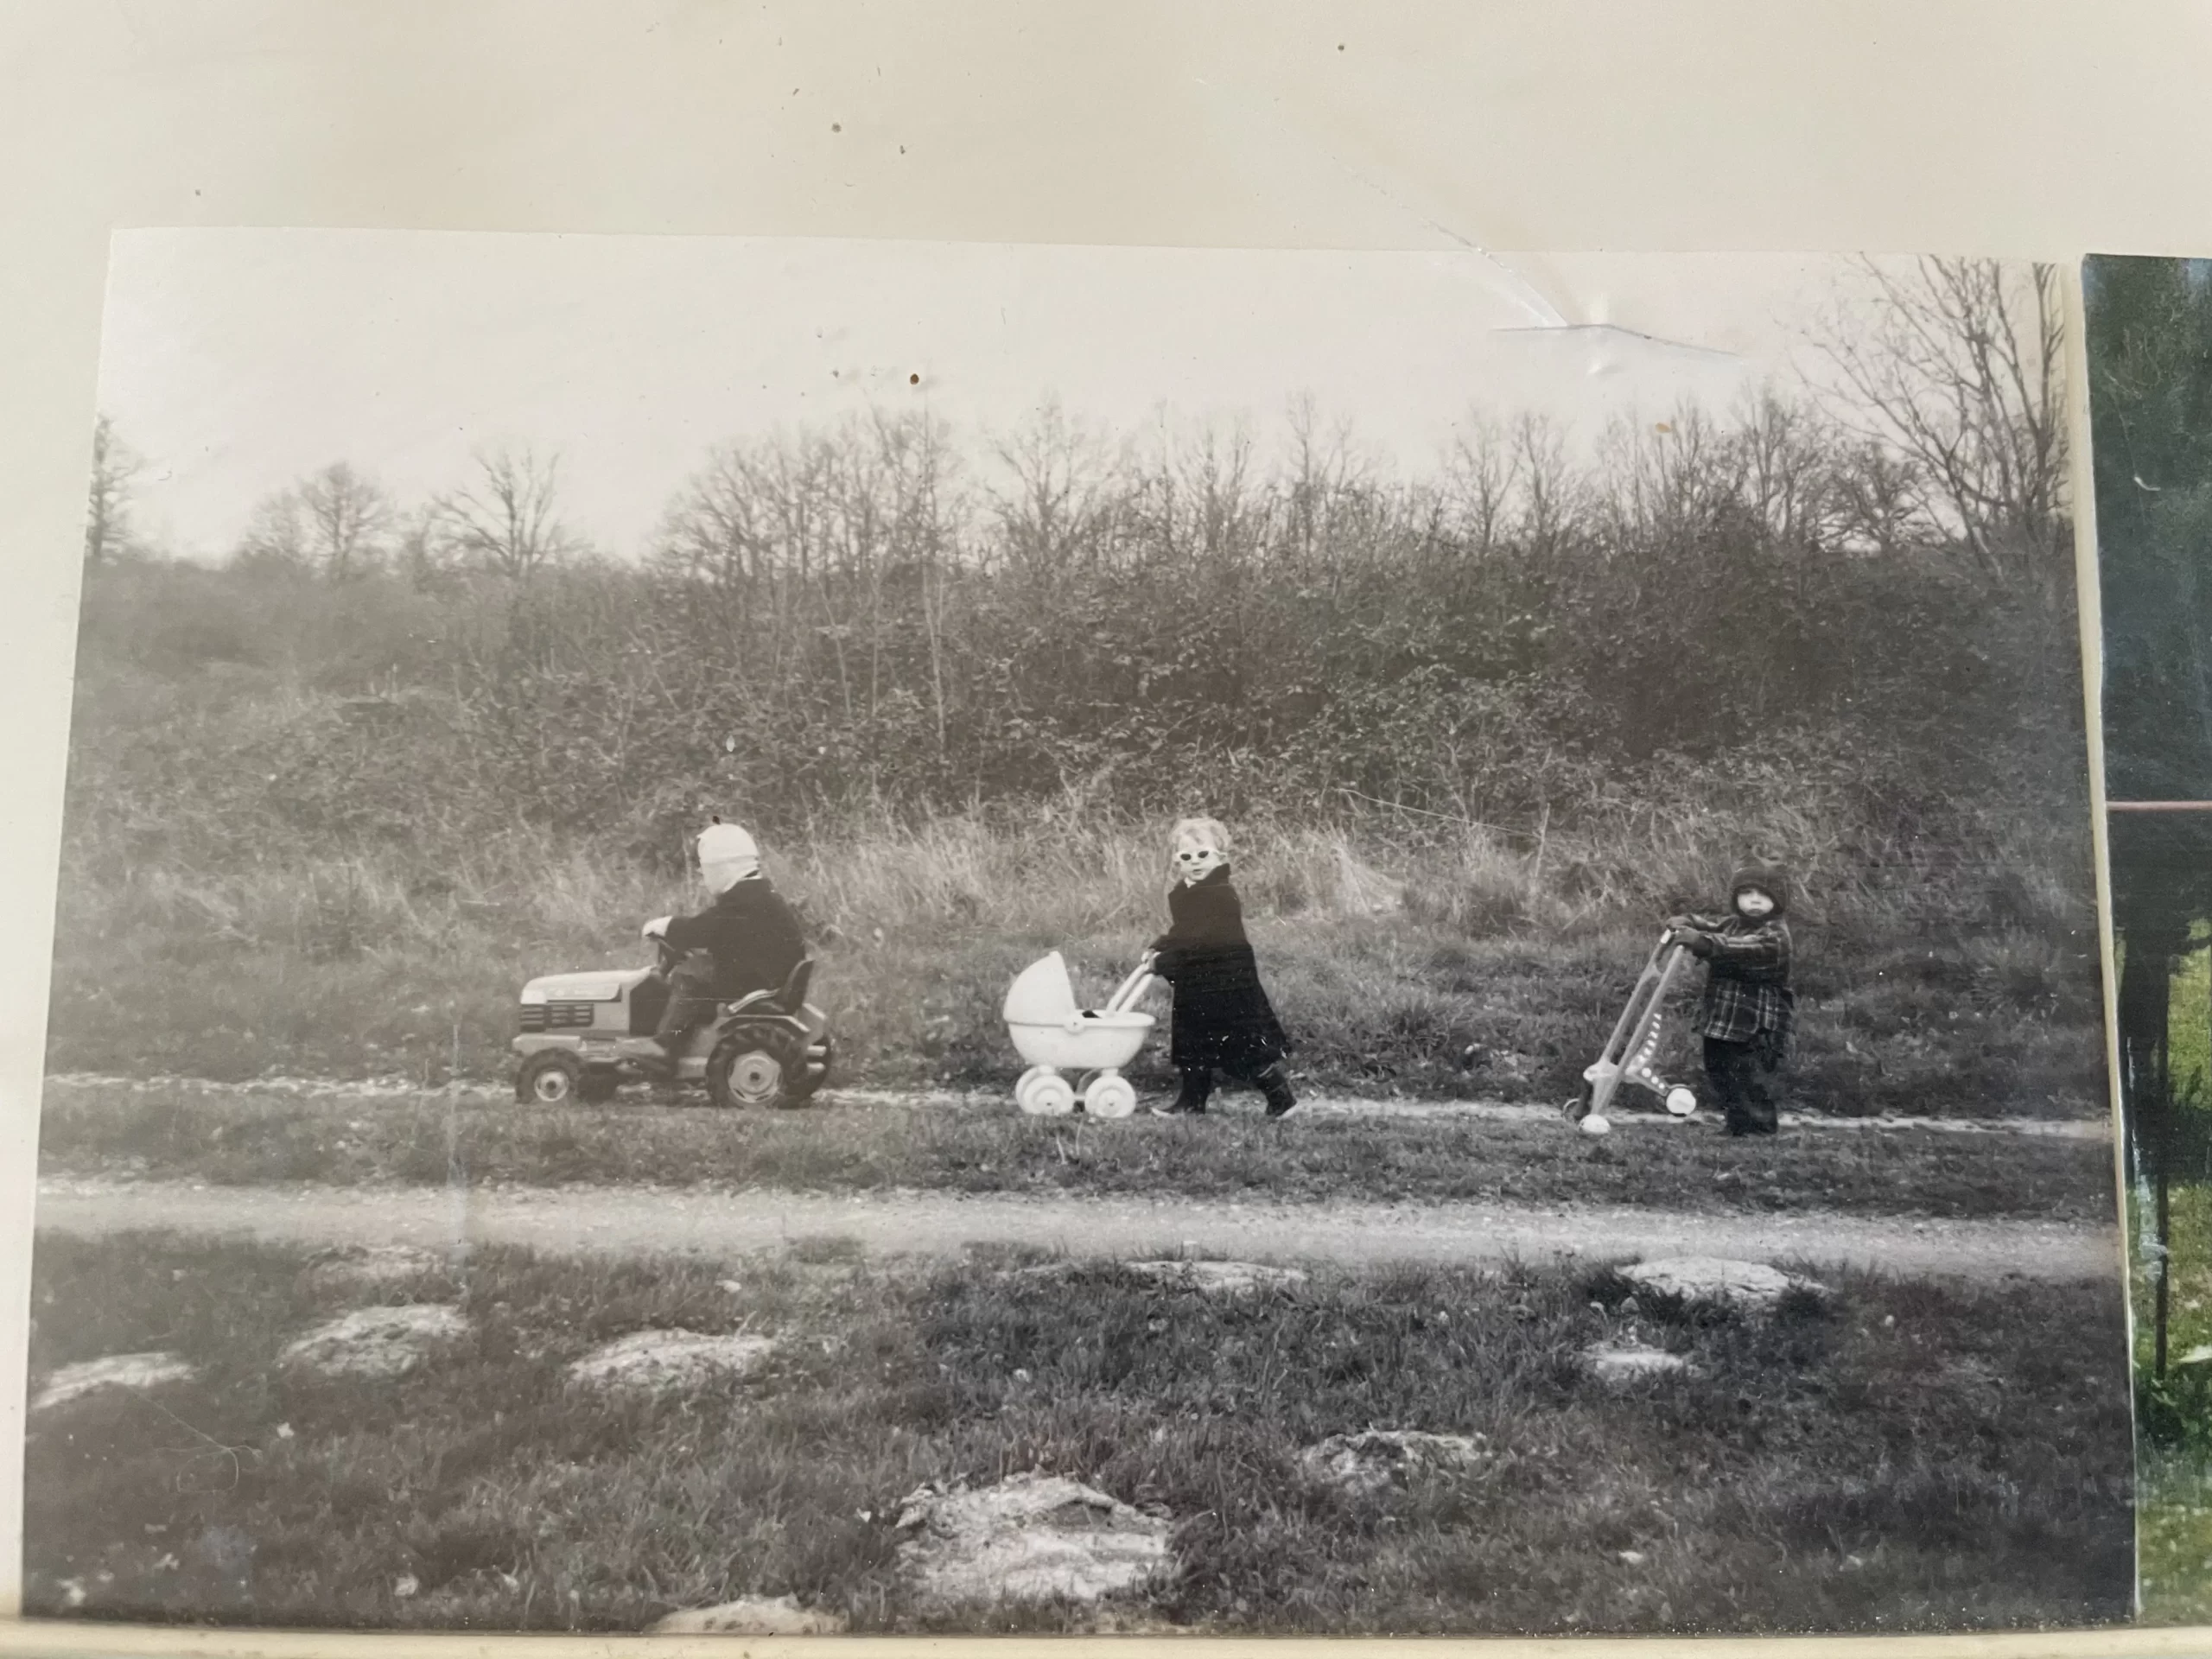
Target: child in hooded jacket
[(746, 940), (1749, 1008), (1223, 1020)]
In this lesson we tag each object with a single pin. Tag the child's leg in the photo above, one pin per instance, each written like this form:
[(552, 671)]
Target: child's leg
[(1726, 1066), (1198, 1086), (690, 1004), (1764, 1086)]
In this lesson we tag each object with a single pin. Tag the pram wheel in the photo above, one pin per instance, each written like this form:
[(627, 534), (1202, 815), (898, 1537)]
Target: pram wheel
[(1043, 1092), (1110, 1096), (1681, 1101)]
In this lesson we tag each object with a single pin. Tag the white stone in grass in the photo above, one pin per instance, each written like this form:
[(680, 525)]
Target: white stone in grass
[(378, 1342), (114, 1371), (2199, 1355), (658, 1361), (1377, 1458), (751, 1616), (1631, 1365), (1719, 1281), (1216, 1278), (1032, 1538)]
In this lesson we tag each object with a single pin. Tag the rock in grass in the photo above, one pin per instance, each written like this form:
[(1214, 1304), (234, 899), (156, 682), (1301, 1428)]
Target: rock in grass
[(1032, 1538), (1611, 1364), (372, 1267), (752, 1616), (378, 1341), (115, 1371), (1216, 1278), (658, 1361), (1378, 1458), (1718, 1281)]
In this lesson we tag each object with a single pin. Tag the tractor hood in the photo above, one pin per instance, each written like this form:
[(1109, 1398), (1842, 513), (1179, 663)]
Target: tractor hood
[(606, 985)]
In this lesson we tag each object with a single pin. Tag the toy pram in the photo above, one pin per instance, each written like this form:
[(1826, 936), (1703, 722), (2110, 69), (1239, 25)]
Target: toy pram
[(1054, 1036), (1632, 1047)]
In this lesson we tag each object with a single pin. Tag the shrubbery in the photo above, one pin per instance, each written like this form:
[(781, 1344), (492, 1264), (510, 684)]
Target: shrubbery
[(1532, 701)]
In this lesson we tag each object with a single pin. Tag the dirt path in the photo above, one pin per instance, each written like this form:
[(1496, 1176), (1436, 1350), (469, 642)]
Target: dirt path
[(373, 1091), (630, 1220)]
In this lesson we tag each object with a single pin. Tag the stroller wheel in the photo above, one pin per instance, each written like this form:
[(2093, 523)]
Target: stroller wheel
[(1111, 1095), (1577, 1108), (1048, 1096), (1681, 1101)]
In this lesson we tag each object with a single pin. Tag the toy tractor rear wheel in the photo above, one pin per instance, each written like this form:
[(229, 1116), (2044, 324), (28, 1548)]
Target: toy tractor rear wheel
[(551, 1077), (762, 1065)]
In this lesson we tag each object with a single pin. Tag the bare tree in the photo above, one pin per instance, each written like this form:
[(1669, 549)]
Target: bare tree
[(418, 545), (713, 531), (1958, 365), (277, 537), (347, 515), (1481, 470), (1550, 502), (1329, 482), (107, 517), (1879, 501), (508, 521), (1056, 507)]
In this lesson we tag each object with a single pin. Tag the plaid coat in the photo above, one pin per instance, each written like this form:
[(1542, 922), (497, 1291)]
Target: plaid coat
[(1747, 995)]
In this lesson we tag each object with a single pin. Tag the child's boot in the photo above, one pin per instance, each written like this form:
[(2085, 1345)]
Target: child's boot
[(1190, 1101), (1277, 1087)]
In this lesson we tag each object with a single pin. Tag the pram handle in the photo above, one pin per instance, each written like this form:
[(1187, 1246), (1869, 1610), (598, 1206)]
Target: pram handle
[(1133, 988)]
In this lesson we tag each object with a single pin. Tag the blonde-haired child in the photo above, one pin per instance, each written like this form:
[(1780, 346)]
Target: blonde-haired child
[(1223, 1021)]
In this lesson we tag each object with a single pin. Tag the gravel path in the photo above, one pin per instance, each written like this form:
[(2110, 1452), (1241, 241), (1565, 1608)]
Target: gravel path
[(633, 1220), (372, 1091)]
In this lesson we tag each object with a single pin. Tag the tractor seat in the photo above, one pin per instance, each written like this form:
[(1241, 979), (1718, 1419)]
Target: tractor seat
[(789, 999)]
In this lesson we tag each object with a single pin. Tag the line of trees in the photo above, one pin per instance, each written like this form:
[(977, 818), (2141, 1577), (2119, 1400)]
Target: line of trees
[(1870, 569)]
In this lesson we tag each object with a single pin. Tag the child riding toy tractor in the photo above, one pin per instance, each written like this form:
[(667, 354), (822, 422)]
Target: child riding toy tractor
[(583, 1035)]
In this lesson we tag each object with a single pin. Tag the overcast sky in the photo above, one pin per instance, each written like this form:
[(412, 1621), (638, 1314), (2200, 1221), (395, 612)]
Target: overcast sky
[(237, 361)]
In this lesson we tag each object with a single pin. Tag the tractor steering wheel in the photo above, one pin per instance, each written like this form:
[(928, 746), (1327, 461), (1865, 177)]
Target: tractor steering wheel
[(666, 956)]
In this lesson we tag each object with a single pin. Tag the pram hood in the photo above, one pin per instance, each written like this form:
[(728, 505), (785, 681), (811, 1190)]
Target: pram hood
[(1041, 994)]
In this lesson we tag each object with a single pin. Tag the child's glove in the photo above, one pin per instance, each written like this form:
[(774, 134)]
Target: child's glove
[(1691, 940)]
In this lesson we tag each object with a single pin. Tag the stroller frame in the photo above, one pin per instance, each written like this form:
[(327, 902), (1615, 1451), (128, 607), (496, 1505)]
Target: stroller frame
[(1634, 1044), (1100, 1091)]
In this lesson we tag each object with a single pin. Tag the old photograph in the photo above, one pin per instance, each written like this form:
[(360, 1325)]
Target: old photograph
[(810, 936), (2149, 349)]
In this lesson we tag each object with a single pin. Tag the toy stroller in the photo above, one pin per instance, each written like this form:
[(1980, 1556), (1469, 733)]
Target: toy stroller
[(1630, 1049), (1054, 1035)]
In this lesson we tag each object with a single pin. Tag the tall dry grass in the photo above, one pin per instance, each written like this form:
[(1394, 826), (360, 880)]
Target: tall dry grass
[(1437, 957)]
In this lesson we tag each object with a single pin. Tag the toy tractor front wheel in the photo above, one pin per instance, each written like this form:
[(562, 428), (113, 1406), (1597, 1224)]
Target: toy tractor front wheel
[(763, 1066), (551, 1077)]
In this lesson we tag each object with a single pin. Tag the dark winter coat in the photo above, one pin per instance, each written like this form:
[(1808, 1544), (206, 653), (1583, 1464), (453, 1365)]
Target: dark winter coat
[(752, 935), (1747, 995), (1223, 1018)]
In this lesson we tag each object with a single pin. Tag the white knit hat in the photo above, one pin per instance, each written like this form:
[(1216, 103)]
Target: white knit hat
[(727, 856)]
